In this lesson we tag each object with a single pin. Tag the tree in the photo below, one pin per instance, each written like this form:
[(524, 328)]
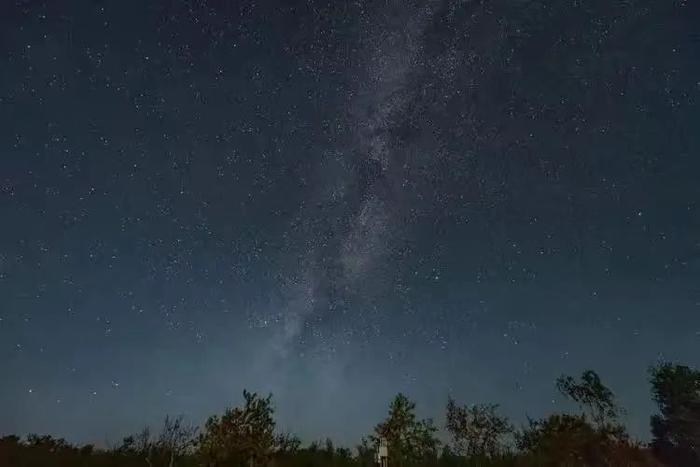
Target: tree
[(594, 438), (563, 439), (287, 443), (10, 449), (477, 430), (175, 441), (572, 441), (676, 429), (366, 451), (241, 436), (592, 396), (410, 441)]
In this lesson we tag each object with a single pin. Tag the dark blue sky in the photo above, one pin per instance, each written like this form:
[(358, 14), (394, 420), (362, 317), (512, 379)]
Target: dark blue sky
[(339, 201)]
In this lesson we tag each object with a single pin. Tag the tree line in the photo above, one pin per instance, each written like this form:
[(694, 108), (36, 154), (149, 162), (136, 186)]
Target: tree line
[(480, 436)]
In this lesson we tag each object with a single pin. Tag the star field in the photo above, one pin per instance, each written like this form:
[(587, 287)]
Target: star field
[(337, 201)]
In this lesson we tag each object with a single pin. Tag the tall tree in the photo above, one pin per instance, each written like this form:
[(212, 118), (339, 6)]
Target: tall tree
[(410, 440), (676, 429), (477, 430), (593, 397), (241, 436)]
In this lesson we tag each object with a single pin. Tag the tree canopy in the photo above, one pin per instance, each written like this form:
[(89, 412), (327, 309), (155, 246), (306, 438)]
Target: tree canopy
[(246, 436), (410, 440), (477, 430), (676, 428)]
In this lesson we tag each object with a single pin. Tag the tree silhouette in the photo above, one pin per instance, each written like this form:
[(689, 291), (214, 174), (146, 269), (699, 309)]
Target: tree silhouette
[(563, 439), (245, 436), (410, 440), (477, 430), (241, 436), (676, 429), (572, 441), (287, 444), (592, 396), (174, 442), (594, 438)]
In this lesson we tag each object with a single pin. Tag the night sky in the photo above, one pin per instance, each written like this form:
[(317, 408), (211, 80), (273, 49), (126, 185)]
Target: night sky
[(337, 201)]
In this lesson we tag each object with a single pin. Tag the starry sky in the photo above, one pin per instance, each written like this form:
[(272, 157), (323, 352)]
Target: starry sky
[(337, 201)]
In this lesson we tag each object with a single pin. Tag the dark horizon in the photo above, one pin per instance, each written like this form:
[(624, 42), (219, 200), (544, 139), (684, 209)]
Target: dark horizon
[(442, 434), (335, 202)]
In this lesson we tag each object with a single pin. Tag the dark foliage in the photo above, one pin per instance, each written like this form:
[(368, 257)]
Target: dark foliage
[(477, 431), (245, 436), (676, 429), (411, 441)]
